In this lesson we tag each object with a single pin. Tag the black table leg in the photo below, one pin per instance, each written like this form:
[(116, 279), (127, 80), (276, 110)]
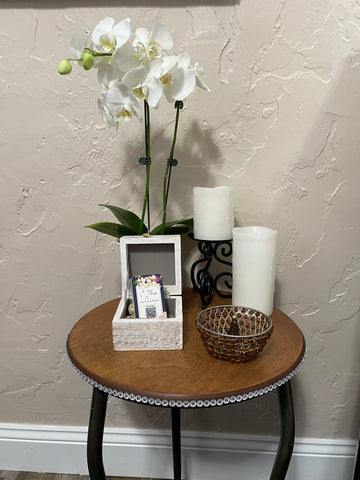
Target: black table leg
[(176, 442), (287, 434), (95, 435)]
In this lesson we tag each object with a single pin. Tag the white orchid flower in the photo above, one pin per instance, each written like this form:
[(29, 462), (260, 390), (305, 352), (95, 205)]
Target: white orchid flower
[(149, 46), (79, 42), (81, 49), (107, 75), (177, 78), (145, 82), (107, 36), (119, 104), (105, 113), (123, 59), (198, 73)]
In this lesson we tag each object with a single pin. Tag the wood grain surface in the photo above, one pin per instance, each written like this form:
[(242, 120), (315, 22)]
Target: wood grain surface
[(189, 374)]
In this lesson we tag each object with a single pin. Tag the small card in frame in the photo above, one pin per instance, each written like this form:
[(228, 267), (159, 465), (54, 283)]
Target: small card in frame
[(148, 296)]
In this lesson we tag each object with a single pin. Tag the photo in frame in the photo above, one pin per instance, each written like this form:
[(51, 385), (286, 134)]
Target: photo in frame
[(148, 296)]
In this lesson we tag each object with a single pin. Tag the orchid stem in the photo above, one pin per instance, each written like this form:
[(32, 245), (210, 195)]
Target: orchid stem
[(94, 54), (146, 203), (167, 177), (167, 170)]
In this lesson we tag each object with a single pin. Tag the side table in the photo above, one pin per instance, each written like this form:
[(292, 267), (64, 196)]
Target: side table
[(148, 377)]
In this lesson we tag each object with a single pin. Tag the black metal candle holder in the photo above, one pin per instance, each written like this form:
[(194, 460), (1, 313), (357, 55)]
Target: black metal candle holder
[(201, 278)]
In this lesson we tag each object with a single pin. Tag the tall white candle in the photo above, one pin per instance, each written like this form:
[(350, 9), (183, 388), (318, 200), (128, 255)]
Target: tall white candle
[(254, 264), (213, 213)]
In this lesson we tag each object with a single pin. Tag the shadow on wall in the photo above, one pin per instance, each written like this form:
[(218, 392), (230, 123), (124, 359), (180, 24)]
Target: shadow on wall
[(194, 150), (232, 419)]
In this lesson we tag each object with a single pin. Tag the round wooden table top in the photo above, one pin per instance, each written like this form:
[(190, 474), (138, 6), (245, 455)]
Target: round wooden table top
[(181, 378)]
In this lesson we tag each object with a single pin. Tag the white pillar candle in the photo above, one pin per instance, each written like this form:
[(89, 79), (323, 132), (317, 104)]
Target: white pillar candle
[(213, 213), (254, 264)]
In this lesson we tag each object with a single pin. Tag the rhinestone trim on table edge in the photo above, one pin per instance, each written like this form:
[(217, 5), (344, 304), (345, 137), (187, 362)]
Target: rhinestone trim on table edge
[(186, 403)]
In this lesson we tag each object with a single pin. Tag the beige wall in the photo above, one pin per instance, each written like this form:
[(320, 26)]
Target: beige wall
[(281, 125)]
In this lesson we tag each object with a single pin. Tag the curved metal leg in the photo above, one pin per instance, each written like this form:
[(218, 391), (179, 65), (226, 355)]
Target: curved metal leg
[(176, 442), (95, 435), (287, 435)]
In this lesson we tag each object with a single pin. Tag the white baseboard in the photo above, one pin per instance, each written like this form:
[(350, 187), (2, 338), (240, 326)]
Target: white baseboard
[(146, 453)]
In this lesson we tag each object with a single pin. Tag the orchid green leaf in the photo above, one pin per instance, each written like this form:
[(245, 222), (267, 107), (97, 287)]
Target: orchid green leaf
[(128, 219), (170, 226), (176, 230), (113, 229)]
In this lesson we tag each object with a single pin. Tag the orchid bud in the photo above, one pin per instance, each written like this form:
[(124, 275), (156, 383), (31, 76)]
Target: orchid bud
[(87, 60), (64, 67)]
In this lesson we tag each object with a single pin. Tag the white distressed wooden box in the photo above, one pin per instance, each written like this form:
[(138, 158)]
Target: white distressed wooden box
[(160, 254)]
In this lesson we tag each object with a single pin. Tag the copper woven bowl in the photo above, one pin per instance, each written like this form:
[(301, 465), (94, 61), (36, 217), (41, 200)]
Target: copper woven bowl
[(234, 333)]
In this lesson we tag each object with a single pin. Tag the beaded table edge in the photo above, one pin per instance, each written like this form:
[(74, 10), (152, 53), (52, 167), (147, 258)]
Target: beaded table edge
[(216, 402)]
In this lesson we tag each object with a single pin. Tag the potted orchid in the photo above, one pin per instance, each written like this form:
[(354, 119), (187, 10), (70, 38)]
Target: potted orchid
[(134, 75)]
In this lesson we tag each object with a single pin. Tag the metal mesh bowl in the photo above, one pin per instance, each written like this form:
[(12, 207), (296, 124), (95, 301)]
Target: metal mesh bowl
[(234, 333)]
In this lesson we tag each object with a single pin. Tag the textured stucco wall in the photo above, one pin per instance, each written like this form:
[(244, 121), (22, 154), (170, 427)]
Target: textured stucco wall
[(281, 125)]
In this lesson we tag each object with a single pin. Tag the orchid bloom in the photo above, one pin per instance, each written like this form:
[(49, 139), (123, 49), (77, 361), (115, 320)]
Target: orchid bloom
[(107, 75), (123, 59), (198, 73), (106, 114), (177, 78), (149, 46), (107, 36), (79, 42), (145, 82), (118, 103), (130, 73)]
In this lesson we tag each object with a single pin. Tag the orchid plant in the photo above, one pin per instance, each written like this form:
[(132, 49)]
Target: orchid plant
[(131, 73)]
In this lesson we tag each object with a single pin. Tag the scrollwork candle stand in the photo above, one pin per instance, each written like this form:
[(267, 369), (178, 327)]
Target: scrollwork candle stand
[(201, 278)]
